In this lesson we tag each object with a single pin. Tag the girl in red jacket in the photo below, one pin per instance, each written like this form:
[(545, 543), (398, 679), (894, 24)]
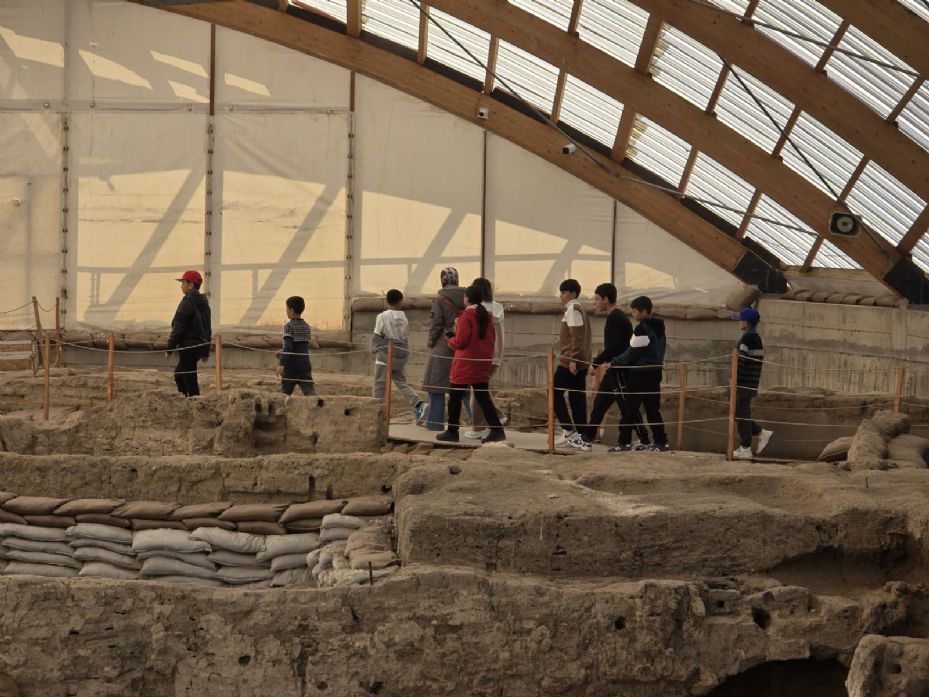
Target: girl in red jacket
[(473, 342)]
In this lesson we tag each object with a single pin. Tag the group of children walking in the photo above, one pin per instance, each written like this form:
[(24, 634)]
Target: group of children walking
[(466, 343)]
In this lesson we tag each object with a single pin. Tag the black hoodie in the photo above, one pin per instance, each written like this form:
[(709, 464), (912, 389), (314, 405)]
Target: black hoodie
[(647, 346), (191, 323)]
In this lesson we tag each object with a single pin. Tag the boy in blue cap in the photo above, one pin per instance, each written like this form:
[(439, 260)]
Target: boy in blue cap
[(748, 377)]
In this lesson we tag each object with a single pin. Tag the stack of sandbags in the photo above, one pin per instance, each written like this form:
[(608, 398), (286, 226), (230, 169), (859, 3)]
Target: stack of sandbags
[(36, 550), (308, 517), (149, 515), (236, 555), (256, 518), (882, 441), (34, 510), (97, 511), (287, 556), (172, 555), (202, 515), (355, 551), (105, 551)]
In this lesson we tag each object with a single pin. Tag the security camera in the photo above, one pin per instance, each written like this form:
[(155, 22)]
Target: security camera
[(483, 112), (845, 224), (568, 148)]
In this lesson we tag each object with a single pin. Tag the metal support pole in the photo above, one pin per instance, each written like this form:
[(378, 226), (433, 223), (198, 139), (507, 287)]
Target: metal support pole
[(733, 387)]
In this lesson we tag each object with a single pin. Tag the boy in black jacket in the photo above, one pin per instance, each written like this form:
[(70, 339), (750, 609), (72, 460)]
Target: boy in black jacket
[(748, 377), (644, 357), (190, 333)]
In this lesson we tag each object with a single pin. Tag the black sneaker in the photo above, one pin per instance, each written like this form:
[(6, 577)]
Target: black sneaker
[(620, 449), (495, 436), (448, 436), (660, 448)]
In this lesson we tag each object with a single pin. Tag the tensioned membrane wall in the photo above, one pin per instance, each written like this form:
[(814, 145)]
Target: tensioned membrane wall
[(115, 176)]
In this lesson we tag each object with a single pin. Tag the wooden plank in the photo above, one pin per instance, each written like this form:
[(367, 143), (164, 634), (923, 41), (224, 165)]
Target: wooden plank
[(353, 17), (905, 99), (830, 49), (623, 133), (491, 65), (423, 34), (749, 212), (717, 90), (559, 96), (688, 169), (643, 60), (915, 233)]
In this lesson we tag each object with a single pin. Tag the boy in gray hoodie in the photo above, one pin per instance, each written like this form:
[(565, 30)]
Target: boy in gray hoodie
[(392, 325)]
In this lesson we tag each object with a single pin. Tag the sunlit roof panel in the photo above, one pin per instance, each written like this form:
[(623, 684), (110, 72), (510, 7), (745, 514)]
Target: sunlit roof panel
[(738, 108), (886, 204), (878, 86), (526, 75), (831, 257), (590, 111), (914, 119), (440, 46), (333, 8), (615, 27), (798, 18), (781, 232), (685, 66), (658, 150), (557, 12), (736, 7), (917, 7), (397, 21), (833, 158), (723, 192)]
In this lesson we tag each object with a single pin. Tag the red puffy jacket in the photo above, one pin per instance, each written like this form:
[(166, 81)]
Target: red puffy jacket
[(468, 345)]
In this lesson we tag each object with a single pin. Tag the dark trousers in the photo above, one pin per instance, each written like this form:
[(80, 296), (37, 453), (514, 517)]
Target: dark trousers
[(743, 416), (611, 391), (185, 374), (457, 393), (304, 380), (644, 391), (576, 387)]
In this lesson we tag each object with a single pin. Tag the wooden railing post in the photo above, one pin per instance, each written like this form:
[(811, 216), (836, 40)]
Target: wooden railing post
[(38, 321), (733, 387), (110, 362), (551, 402), (682, 396), (219, 362), (58, 330), (898, 394), (388, 387)]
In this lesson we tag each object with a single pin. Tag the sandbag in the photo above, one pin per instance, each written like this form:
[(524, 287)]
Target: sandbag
[(50, 521), (288, 561), (37, 546), (33, 505), (337, 520), (149, 510), (867, 450), (92, 554), (200, 510), (32, 532), (334, 534), (99, 569), (376, 560), (374, 539), (200, 559), (103, 519), (307, 525), (260, 527), (311, 509), (291, 577), (837, 450), (82, 506), (25, 568), (118, 547), (890, 423), (280, 545), (267, 512), (312, 559), (43, 558), (233, 541), (224, 557), (742, 297), (908, 450), (6, 496), (7, 517), (194, 523), (174, 540), (340, 562), (190, 579), (144, 524), (165, 566), (368, 506), (98, 531), (238, 575)]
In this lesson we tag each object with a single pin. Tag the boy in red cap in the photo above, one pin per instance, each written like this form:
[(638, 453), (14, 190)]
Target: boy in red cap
[(748, 377), (190, 333)]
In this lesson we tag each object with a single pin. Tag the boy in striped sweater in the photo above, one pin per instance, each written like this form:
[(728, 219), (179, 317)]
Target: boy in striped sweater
[(748, 377)]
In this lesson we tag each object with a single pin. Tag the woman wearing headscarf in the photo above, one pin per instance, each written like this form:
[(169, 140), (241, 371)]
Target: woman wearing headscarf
[(447, 305)]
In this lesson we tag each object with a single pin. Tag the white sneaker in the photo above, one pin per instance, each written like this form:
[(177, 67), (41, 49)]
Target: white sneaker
[(763, 438), (564, 437), (742, 453), (580, 443), (504, 421), (475, 435)]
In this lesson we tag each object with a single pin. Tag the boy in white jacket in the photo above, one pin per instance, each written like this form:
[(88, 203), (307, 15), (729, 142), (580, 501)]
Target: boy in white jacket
[(392, 325)]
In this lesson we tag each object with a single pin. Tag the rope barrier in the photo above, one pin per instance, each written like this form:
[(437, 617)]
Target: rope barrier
[(16, 309)]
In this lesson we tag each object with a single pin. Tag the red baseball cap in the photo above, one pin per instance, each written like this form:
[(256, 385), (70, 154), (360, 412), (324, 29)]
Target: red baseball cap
[(191, 277)]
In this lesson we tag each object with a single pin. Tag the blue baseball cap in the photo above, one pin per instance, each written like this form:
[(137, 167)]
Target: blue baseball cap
[(748, 314)]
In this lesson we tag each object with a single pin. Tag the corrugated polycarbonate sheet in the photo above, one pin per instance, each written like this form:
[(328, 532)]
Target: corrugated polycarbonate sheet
[(802, 17), (716, 187), (397, 20), (441, 48), (831, 257), (590, 111), (333, 8), (529, 77), (685, 66), (738, 109), (877, 86), (736, 7), (615, 27), (658, 149), (557, 12), (917, 7), (832, 157), (778, 230), (886, 204), (914, 119)]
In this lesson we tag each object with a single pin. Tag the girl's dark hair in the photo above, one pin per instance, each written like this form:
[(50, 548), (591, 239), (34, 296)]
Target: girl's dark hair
[(484, 285), (476, 297)]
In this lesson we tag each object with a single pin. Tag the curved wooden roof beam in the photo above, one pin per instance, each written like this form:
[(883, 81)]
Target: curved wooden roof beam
[(813, 92)]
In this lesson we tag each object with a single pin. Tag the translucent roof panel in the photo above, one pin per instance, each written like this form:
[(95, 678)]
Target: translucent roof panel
[(441, 48), (877, 86), (333, 8), (736, 7), (918, 7), (833, 158), (590, 111), (557, 12), (397, 21), (921, 255), (531, 78), (658, 150), (805, 18), (832, 257), (886, 205), (685, 66), (738, 109), (716, 187), (914, 119), (615, 27), (781, 232)]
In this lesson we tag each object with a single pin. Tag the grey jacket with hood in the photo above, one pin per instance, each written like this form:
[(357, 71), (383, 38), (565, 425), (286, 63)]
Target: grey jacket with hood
[(446, 306)]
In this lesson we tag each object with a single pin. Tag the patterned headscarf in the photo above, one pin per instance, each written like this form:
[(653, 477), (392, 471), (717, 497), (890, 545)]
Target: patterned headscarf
[(449, 276)]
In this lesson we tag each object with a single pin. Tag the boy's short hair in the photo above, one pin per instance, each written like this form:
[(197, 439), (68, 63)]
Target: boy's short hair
[(608, 291), (296, 303), (394, 297), (643, 303), (570, 285)]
